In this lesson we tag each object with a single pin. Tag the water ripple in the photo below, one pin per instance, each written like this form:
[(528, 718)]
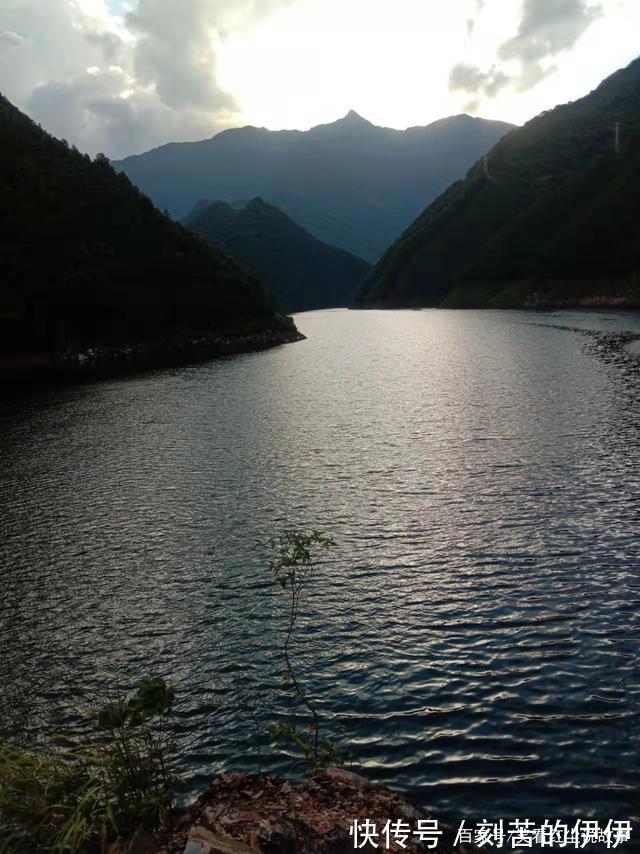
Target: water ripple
[(477, 632)]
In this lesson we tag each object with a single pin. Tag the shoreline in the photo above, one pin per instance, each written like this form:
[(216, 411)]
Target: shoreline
[(23, 372), (242, 813), (529, 295)]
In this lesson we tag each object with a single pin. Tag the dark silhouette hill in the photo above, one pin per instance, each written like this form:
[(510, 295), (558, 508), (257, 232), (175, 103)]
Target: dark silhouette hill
[(87, 259), (349, 183), (550, 216), (303, 272)]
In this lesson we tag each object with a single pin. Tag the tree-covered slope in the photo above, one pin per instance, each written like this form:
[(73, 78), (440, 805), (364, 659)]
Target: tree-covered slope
[(303, 273), (349, 183), (550, 215), (86, 258)]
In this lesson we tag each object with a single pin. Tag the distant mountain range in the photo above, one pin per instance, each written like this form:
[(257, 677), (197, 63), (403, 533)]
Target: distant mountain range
[(550, 217), (88, 260), (349, 183), (302, 272)]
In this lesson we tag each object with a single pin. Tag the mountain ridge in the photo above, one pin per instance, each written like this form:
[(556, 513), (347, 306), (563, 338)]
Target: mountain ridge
[(302, 272), (349, 183), (554, 200), (89, 262)]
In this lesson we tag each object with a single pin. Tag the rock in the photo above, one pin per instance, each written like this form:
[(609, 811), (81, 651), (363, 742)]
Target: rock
[(210, 814), (280, 839), (409, 813), (339, 775), (293, 817), (248, 815), (202, 841), (290, 837), (238, 779), (338, 841)]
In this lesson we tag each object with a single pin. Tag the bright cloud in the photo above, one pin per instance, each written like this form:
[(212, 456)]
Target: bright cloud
[(125, 75)]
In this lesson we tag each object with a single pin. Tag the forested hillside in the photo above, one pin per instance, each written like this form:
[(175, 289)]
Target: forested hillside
[(303, 273), (87, 259), (549, 216)]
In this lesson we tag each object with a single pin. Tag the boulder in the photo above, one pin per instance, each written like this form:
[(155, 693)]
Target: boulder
[(202, 841)]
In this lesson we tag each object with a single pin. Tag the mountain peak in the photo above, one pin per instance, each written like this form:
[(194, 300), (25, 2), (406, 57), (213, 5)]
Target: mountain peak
[(350, 122), (353, 119), (352, 116)]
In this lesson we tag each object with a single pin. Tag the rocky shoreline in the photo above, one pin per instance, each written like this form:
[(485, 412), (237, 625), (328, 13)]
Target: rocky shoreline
[(621, 294), (250, 814), (21, 372), (603, 293)]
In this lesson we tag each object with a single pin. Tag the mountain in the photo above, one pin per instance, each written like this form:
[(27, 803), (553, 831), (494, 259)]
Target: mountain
[(303, 272), (88, 260), (550, 216), (349, 183)]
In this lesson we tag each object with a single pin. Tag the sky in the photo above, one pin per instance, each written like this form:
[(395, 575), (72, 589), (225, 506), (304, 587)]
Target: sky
[(123, 76)]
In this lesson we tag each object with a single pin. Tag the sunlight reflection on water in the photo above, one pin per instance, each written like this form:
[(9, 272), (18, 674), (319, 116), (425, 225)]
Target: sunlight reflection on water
[(478, 629)]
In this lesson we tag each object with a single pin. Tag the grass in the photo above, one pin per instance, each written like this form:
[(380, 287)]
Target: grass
[(83, 801)]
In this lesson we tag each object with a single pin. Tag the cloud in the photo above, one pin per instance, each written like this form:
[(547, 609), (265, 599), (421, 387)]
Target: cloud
[(176, 52), (10, 39), (93, 105), (110, 44), (471, 21), (547, 27), (470, 78), (125, 83)]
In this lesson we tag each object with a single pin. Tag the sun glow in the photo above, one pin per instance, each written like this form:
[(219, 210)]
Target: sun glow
[(311, 62)]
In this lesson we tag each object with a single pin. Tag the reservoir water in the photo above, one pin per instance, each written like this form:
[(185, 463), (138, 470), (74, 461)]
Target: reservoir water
[(477, 629)]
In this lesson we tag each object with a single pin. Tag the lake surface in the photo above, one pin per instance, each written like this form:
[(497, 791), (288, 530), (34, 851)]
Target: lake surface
[(477, 630)]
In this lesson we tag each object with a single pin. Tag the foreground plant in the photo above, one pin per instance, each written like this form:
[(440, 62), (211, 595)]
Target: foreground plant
[(83, 800), (296, 557)]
